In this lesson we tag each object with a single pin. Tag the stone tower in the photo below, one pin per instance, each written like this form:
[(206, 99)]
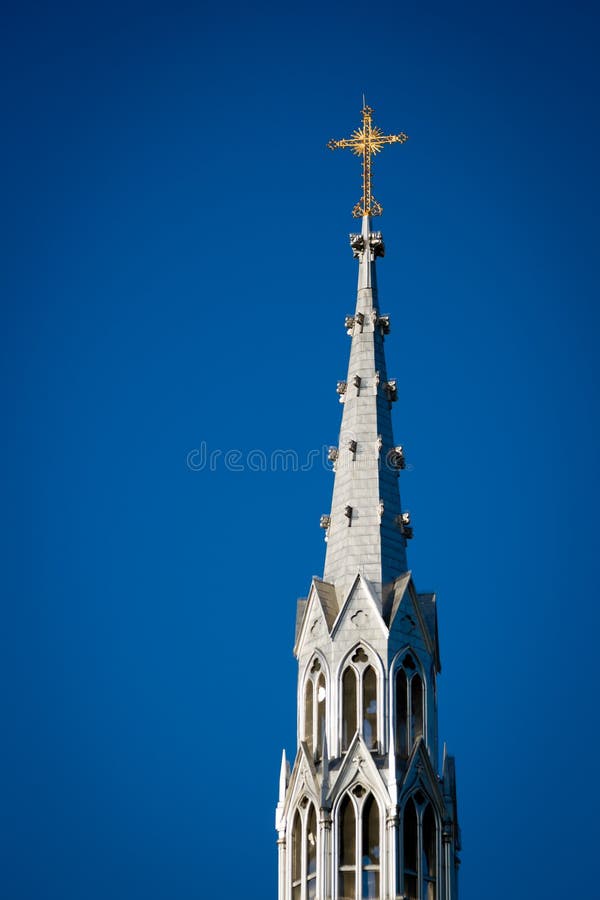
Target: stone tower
[(364, 812)]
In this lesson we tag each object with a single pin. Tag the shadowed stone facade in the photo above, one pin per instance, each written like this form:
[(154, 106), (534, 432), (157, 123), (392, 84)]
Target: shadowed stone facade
[(364, 812)]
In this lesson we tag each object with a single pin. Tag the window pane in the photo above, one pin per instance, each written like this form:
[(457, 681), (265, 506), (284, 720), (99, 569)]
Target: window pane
[(370, 832), (370, 707), (321, 698), (401, 713), (311, 842), (416, 692), (430, 890), (347, 886), (410, 887), (308, 714), (297, 892), (311, 889), (348, 707), (297, 848), (347, 833), (370, 885), (410, 838), (429, 844)]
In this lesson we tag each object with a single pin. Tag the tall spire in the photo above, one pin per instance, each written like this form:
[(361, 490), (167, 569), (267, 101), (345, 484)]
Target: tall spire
[(366, 530), (365, 771)]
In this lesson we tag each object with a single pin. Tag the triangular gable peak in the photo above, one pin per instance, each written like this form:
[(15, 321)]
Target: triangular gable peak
[(361, 607), (420, 774), (358, 767), (318, 615), (397, 593), (408, 622), (428, 607), (303, 781)]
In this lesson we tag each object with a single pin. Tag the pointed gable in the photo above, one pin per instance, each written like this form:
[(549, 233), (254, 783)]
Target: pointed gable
[(420, 773), (360, 614), (358, 765), (303, 780), (328, 598), (315, 616), (428, 606)]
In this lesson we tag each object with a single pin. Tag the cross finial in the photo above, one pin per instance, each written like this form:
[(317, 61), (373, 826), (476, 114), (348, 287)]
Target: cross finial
[(366, 142)]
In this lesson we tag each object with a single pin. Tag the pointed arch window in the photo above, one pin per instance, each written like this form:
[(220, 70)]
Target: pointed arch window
[(315, 709), (349, 706), (409, 706), (419, 850), (429, 855), (304, 852), (360, 701), (359, 846)]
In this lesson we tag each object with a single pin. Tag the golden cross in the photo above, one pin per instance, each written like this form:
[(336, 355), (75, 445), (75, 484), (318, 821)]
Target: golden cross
[(366, 142)]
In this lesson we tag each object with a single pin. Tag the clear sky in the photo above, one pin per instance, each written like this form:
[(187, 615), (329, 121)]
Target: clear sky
[(175, 276)]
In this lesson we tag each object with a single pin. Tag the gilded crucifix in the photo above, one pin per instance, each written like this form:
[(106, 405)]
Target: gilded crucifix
[(366, 142)]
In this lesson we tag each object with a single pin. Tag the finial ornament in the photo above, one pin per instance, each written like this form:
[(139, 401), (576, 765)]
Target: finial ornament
[(366, 142)]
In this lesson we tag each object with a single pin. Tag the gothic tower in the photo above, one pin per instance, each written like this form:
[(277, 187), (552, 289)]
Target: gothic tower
[(364, 813)]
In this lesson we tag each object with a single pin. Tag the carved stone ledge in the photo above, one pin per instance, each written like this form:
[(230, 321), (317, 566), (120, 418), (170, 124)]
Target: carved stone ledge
[(357, 243), (391, 389), (396, 457), (383, 323), (403, 523), (376, 244)]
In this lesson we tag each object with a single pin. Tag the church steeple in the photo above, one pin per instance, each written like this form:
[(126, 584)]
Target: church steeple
[(365, 529), (364, 813)]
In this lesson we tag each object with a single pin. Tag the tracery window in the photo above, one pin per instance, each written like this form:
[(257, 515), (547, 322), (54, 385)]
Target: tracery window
[(315, 709), (419, 851), (304, 852), (359, 701), (359, 846), (409, 706)]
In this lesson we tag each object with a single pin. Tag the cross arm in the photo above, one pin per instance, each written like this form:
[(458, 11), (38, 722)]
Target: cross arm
[(345, 142)]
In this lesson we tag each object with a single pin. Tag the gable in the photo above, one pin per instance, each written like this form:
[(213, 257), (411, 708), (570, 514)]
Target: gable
[(421, 774), (408, 624), (359, 617), (358, 766), (316, 615)]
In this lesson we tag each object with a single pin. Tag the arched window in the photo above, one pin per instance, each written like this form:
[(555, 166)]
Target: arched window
[(420, 857), (311, 854), (370, 707), (347, 852), (429, 855), (297, 857), (315, 709), (359, 846), (411, 868), (309, 713), (321, 713), (401, 713), (409, 706), (359, 701), (349, 707), (370, 848), (304, 852), (416, 707)]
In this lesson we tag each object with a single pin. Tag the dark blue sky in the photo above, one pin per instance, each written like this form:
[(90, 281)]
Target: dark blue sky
[(176, 271)]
